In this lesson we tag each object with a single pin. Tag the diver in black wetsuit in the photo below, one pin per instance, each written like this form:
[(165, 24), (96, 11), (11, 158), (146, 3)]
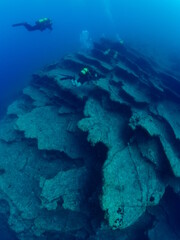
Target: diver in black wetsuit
[(88, 74), (41, 25)]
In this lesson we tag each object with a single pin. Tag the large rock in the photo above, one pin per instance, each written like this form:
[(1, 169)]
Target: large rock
[(130, 186), (38, 97), (103, 125), (52, 131), (171, 112), (66, 187), (19, 107), (7, 131), (158, 128)]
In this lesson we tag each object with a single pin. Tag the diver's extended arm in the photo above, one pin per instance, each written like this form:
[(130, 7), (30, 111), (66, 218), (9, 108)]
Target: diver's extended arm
[(67, 77)]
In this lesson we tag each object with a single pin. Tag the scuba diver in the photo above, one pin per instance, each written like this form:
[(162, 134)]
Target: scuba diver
[(87, 74), (41, 25)]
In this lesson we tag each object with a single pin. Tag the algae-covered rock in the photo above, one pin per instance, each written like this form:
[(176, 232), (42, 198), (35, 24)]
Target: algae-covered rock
[(7, 131), (102, 125), (135, 91), (114, 91), (66, 186), (17, 183), (151, 150), (130, 186), (62, 221), (22, 168), (37, 96), (19, 107), (171, 112), (52, 131), (158, 128)]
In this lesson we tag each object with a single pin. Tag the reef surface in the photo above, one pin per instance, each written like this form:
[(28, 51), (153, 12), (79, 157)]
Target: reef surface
[(96, 161)]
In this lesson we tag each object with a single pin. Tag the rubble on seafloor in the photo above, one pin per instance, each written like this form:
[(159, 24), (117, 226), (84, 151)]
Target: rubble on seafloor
[(96, 161)]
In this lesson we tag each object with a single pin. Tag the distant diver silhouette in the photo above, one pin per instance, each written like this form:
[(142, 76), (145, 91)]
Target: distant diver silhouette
[(41, 25)]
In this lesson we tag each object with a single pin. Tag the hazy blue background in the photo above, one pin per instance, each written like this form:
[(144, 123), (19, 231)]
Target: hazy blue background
[(152, 25)]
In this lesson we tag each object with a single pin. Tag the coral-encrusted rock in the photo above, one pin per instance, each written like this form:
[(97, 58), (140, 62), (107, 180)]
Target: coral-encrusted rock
[(171, 112), (52, 131), (22, 168), (19, 107), (103, 125), (62, 221), (135, 91), (158, 128), (15, 161), (112, 90), (151, 150), (37, 96), (130, 185), (66, 186), (7, 131)]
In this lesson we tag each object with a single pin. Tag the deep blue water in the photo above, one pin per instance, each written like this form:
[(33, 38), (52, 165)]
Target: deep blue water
[(148, 24)]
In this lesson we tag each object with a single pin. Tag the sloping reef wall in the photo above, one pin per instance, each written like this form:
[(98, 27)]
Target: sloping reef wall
[(98, 160)]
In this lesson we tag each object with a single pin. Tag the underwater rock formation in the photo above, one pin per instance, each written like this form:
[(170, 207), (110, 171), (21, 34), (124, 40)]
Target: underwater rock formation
[(96, 161)]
